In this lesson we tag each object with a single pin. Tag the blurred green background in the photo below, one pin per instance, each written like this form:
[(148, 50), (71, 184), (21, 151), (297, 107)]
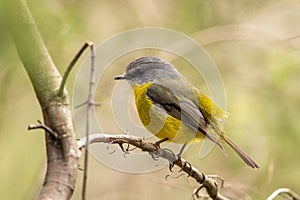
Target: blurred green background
[(256, 46)]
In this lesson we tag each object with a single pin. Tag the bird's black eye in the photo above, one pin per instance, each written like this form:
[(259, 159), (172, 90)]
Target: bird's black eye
[(139, 72)]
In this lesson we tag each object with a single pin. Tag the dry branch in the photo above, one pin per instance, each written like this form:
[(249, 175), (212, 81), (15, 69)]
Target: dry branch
[(284, 192), (209, 184), (90, 104)]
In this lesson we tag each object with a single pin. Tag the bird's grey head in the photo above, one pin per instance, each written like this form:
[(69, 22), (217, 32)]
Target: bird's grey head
[(148, 69)]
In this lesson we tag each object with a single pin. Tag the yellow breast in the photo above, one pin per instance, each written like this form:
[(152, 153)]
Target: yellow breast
[(158, 122)]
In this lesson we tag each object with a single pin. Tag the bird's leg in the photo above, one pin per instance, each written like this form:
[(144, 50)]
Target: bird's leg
[(179, 161), (155, 154), (157, 144), (181, 150)]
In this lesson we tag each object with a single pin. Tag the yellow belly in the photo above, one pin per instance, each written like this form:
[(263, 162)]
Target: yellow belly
[(158, 122)]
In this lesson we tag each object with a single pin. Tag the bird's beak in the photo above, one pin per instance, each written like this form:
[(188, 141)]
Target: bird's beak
[(121, 77)]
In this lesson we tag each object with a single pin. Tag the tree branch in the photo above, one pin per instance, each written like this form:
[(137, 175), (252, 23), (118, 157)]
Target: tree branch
[(62, 152), (42, 126), (209, 184), (70, 67), (282, 192), (90, 104)]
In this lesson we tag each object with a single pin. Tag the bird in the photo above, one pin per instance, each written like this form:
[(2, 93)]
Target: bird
[(173, 109)]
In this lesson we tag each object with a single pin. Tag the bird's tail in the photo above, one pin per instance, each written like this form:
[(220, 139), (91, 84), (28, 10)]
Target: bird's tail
[(243, 155)]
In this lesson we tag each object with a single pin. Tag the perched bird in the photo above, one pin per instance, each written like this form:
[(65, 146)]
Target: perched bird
[(174, 110)]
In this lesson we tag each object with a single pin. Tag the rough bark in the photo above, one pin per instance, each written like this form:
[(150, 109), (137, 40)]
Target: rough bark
[(62, 152)]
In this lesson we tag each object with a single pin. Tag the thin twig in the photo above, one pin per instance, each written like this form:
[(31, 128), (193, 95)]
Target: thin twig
[(209, 184), (282, 191), (85, 103), (70, 67), (44, 127), (90, 104)]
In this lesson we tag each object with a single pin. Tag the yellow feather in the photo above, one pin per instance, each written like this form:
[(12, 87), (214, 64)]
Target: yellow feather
[(158, 122)]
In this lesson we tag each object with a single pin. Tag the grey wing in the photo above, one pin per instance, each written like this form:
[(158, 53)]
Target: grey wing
[(183, 109)]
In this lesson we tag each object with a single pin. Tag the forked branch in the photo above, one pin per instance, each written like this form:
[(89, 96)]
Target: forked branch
[(70, 67), (284, 192), (62, 153), (209, 184)]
